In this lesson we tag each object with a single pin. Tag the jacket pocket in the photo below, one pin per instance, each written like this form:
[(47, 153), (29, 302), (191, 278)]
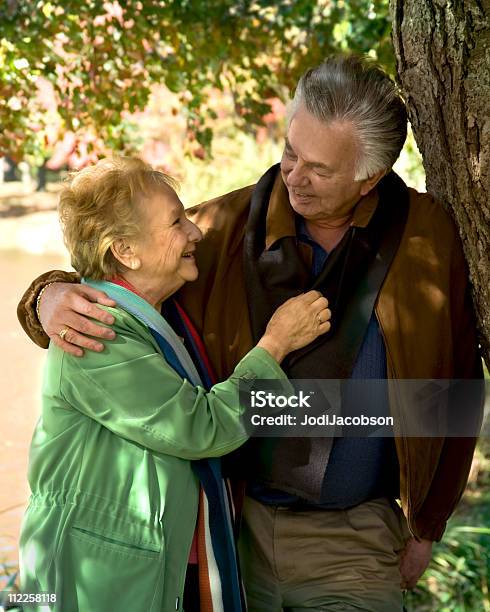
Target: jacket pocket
[(114, 543), (105, 571)]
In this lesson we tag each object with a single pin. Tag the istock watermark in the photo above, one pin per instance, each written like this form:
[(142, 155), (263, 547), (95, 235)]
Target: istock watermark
[(364, 408), (322, 420), (261, 399)]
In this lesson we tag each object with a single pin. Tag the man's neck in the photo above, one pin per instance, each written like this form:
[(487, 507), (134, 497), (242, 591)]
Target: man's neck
[(328, 233)]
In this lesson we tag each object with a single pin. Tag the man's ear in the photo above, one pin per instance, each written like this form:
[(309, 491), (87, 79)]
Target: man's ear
[(372, 181), (125, 254)]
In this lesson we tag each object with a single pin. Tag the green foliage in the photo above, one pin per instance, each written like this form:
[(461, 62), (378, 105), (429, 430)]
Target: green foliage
[(459, 575), (102, 59), (409, 165), (238, 160), (458, 578), (9, 578)]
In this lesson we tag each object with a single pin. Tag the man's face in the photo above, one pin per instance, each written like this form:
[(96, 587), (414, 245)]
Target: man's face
[(318, 167)]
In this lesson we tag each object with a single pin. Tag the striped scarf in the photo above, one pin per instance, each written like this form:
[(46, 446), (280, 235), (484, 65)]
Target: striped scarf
[(220, 586)]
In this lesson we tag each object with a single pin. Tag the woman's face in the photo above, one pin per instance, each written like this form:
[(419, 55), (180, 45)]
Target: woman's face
[(168, 242)]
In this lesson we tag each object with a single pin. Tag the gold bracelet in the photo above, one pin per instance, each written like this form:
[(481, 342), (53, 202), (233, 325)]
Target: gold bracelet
[(38, 299)]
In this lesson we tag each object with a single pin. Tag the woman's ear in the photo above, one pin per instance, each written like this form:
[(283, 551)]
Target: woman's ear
[(125, 254)]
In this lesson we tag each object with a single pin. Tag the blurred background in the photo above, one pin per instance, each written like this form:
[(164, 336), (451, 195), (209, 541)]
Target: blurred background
[(198, 89)]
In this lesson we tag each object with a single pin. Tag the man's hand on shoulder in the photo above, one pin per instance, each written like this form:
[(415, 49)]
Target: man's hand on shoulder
[(414, 559), (68, 306)]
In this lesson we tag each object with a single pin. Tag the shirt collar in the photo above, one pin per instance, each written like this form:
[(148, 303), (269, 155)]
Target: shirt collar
[(280, 220)]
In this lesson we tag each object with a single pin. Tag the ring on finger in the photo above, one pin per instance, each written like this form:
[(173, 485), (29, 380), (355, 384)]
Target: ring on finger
[(62, 333), (319, 319)]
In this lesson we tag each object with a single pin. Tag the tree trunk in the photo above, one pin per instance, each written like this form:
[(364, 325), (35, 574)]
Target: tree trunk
[(442, 51)]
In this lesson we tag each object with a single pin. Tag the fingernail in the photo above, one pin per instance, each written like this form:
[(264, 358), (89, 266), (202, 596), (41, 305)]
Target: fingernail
[(109, 320), (111, 334)]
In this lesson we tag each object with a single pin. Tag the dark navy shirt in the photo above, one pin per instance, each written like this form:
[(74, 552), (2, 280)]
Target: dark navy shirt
[(359, 468)]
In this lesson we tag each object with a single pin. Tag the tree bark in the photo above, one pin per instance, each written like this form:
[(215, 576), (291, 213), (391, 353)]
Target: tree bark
[(442, 50)]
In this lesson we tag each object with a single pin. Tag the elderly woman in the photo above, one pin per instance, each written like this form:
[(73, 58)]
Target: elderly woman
[(114, 467)]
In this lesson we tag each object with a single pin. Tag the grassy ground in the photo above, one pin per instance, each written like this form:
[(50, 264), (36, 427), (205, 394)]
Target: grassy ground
[(458, 578)]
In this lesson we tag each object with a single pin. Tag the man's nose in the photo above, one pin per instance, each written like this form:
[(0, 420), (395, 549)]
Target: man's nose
[(297, 176)]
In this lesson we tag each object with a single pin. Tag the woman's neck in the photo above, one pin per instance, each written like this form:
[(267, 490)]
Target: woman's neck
[(137, 285)]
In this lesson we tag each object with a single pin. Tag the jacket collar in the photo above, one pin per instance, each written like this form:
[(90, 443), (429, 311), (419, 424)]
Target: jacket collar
[(280, 220)]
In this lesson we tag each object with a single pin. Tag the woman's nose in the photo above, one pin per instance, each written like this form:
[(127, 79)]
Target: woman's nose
[(193, 232)]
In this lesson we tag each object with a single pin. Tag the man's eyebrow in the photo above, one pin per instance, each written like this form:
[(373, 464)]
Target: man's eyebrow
[(319, 165), (310, 164)]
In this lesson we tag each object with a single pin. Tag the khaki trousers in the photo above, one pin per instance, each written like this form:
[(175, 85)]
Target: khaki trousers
[(322, 560)]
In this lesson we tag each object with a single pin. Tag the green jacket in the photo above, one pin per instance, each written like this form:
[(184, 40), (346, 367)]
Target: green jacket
[(114, 499)]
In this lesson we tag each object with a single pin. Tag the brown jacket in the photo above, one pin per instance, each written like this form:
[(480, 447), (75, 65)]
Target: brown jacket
[(424, 312)]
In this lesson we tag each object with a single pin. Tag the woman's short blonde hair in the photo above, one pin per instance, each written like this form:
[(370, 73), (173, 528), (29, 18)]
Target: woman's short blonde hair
[(99, 205)]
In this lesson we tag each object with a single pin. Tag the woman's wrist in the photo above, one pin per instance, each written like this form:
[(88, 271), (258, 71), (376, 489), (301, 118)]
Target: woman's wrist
[(274, 347), (38, 300)]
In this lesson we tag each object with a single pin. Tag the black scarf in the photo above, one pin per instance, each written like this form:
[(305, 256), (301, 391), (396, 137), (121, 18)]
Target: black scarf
[(351, 280)]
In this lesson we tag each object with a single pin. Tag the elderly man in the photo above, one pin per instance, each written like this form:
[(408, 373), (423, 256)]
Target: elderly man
[(320, 526)]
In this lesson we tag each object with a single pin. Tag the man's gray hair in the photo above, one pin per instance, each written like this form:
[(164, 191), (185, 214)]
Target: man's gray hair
[(355, 89)]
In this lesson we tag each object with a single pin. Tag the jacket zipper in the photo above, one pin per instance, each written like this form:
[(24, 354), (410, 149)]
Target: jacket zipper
[(404, 440)]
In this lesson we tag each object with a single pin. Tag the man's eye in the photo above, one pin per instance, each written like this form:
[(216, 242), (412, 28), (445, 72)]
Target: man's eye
[(177, 221), (290, 154)]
